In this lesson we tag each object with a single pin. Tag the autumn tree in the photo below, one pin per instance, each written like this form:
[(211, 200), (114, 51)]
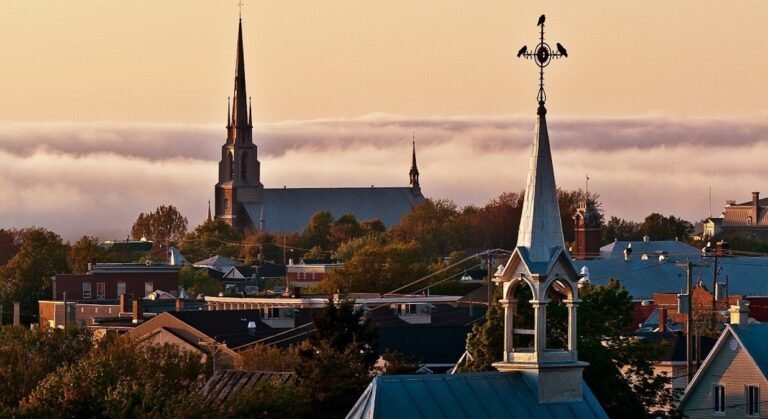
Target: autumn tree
[(83, 252), (317, 231), (377, 267), (9, 245), (27, 356), (621, 229), (27, 275), (434, 225), (165, 226), (123, 378), (212, 237)]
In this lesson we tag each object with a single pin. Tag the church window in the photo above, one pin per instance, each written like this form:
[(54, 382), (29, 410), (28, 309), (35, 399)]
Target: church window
[(231, 166), (244, 166)]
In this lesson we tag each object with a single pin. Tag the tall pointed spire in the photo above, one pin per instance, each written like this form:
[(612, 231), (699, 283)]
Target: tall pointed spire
[(209, 210), (414, 173), (540, 225), (239, 105)]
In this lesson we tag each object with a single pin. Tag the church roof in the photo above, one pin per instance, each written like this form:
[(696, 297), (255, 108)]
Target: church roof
[(540, 224), (473, 395), (289, 209)]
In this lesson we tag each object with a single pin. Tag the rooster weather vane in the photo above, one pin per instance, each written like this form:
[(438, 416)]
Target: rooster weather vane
[(542, 55)]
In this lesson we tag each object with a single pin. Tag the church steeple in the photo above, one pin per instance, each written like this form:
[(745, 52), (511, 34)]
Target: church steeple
[(239, 168), (414, 173), (540, 224), (239, 119)]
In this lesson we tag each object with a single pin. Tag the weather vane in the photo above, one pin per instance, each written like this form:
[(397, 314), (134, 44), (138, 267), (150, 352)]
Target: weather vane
[(542, 55)]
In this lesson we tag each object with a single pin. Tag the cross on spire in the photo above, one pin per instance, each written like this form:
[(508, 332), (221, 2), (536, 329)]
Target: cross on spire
[(240, 5), (542, 55)]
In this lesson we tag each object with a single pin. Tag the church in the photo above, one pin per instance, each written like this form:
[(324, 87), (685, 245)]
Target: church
[(242, 200)]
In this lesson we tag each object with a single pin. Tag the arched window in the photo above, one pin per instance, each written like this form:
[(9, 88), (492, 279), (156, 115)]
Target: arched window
[(244, 166), (231, 166)]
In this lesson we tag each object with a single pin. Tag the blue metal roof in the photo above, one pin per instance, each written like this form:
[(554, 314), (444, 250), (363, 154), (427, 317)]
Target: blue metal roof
[(642, 278), (474, 395), (289, 209)]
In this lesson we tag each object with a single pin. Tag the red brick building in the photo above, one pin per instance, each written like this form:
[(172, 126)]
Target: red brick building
[(109, 281)]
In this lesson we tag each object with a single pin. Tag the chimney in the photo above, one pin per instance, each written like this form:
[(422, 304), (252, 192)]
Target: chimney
[(125, 303), (179, 304), (739, 314), (16, 313), (662, 319), (755, 199), (138, 311)]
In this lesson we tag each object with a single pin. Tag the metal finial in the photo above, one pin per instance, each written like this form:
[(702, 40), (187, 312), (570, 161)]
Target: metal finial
[(240, 5), (542, 55)]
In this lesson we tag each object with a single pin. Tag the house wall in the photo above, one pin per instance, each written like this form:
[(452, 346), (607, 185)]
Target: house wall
[(134, 284), (734, 369)]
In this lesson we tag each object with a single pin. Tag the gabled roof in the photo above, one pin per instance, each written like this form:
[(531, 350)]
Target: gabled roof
[(218, 262), (557, 255), (752, 339), (475, 395), (653, 248), (290, 209), (224, 384)]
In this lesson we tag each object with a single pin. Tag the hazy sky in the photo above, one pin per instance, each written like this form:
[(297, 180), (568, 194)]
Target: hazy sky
[(108, 107)]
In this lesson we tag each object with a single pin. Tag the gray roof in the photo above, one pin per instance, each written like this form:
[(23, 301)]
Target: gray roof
[(474, 395), (217, 262), (746, 275), (289, 209)]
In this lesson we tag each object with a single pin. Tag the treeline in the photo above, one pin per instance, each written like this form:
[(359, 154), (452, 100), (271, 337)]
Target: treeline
[(67, 373)]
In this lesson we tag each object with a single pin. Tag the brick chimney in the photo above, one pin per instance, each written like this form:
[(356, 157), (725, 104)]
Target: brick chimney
[(179, 304), (739, 314), (125, 303), (138, 311), (662, 319), (755, 207)]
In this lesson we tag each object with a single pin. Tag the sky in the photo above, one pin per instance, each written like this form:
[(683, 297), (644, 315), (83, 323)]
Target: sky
[(112, 108)]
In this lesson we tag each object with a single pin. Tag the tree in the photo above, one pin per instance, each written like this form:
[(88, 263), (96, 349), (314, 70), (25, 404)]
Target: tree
[(317, 231), (27, 356), (337, 362), (343, 229), (660, 227), (433, 225), (270, 399), (83, 252), (27, 275), (9, 245), (377, 267), (123, 378), (197, 281), (620, 229), (212, 237), (165, 226), (270, 358)]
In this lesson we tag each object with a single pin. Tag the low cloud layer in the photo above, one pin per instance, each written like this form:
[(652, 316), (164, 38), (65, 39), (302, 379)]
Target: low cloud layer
[(95, 178)]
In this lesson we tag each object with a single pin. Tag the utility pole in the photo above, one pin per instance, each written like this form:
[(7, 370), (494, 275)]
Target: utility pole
[(688, 266)]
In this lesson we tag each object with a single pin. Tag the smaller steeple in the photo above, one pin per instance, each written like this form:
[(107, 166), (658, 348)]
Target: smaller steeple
[(209, 210), (229, 113), (250, 112), (414, 173)]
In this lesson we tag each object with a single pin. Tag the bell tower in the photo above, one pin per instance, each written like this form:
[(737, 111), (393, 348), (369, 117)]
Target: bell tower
[(239, 167), (541, 263)]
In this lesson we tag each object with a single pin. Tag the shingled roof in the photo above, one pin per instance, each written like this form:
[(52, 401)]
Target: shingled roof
[(289, 209), (224, 384)]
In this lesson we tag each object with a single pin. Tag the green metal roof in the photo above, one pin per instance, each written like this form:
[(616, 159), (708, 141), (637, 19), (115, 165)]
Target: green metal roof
[(474, 395)]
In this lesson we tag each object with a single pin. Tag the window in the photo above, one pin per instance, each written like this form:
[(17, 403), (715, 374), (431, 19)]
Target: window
[(718, 398), (101, 291), (120, 288), (148, 288), (86, 290), (244, 166), (752, 398), (231, 166)]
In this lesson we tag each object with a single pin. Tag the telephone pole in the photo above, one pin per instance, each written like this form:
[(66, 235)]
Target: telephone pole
[(688, 266)]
